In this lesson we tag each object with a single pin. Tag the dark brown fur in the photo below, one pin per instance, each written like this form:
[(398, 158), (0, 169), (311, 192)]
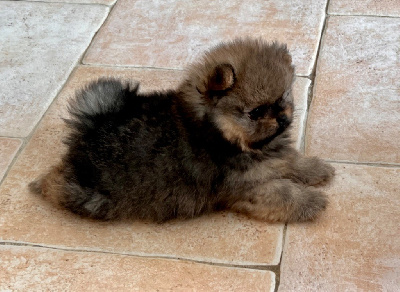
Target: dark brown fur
[(219, 141)]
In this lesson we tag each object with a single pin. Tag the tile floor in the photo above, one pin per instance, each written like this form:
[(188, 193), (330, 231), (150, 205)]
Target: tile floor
[(348, 112)]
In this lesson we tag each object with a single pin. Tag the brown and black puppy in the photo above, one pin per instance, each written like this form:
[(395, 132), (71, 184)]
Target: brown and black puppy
[(219, 141)]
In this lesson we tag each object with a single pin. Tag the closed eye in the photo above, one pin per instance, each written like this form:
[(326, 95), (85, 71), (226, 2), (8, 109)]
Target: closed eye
[(259, 112), (277, 107)]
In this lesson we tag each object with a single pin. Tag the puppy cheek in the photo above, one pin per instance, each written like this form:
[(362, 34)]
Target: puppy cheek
[(233, 131), (268, 127)]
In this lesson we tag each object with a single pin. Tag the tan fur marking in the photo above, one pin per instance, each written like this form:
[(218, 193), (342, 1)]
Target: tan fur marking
[(233, 132), (288, 112), (51, 184)]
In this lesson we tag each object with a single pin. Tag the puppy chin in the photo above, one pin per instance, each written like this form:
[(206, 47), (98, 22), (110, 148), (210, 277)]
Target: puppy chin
[(258, 144), (238, 135)]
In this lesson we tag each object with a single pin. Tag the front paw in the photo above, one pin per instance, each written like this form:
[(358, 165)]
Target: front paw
[(311, 204), (313, 171)]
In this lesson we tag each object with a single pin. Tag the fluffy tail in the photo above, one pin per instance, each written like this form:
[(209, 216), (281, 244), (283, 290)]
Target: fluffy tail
[(99, 98)]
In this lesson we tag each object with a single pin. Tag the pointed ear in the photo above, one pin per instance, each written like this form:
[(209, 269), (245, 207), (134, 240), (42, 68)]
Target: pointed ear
[(222, 78)]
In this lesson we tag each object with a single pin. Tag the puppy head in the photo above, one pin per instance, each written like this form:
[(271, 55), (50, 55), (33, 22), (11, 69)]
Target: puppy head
[(244, 88)]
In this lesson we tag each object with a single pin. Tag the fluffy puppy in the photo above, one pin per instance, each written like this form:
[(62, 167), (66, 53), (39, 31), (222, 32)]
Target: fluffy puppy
[(219, 141)]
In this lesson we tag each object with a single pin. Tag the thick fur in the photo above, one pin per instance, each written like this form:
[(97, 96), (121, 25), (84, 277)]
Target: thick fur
[(219, 141)]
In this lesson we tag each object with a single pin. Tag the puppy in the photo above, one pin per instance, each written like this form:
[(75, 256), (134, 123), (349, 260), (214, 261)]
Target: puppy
[(219, 141)]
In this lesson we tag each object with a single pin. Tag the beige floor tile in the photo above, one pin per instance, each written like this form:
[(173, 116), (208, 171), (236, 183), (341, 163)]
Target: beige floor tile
[(39, 269), (41, 43), (355, 245), (365, 7), (355, 112), (8, 148), (172, 33), (223, 238)]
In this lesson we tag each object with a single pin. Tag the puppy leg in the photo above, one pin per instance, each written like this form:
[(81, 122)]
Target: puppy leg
[(281, 200), (86, 202), (312, 171), (50, 185)]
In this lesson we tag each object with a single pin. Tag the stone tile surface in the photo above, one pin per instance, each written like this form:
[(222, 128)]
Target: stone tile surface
[(355, 111), (355, 245), (8, 149), (39, 269), (41, 43), (365, 7), (172, 33), (220, 238)]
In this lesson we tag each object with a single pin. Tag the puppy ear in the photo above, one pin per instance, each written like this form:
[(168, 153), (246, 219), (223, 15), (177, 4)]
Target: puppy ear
[(222, 78)]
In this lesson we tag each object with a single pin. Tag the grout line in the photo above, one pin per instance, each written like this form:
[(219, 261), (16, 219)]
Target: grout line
[(303, 124), (304, 76), (312, 78), (362, 15), (11, 137), (59, 2), (16, 155), (278, 267), (372, 164), (272, 268), (128, 67), (323, 30)]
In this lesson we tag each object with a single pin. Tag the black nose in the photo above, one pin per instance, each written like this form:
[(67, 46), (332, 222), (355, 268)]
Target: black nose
[(283, 120)]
